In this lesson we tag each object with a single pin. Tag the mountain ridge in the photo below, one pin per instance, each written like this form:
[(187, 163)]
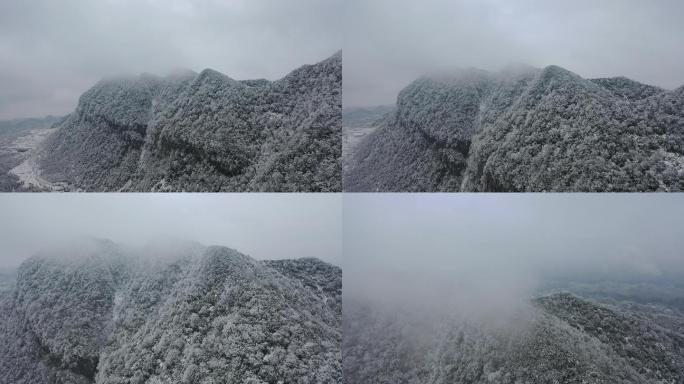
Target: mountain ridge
[(202, 132), (535, 130), (106, 315)]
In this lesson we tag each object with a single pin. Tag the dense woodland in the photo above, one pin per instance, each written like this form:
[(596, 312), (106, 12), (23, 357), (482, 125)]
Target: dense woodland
[(99, 313), (525, 129), (203, 132)]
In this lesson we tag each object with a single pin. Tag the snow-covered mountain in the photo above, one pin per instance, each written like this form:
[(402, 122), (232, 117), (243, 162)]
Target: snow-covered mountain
[(99, 313), (525, 129), (559, 338), (201, 132)]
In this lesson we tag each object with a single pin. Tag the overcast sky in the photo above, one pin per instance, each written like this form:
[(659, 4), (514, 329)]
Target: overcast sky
[(264, 226), (389, 43), (447, 246), (52, 51)]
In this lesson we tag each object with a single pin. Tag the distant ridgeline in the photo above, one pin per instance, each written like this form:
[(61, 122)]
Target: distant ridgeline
[(203, 132), (525, 129), (203, 315), (364, 117)]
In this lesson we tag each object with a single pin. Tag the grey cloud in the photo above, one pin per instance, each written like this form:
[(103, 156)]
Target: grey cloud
[(389, 43), (50, 52), (264, 226), (450, 248)]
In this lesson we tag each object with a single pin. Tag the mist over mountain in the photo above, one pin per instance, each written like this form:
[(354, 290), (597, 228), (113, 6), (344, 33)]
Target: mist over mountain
[(513, 288), (101, 313), (199, 132), (556, 338), (525, 129)]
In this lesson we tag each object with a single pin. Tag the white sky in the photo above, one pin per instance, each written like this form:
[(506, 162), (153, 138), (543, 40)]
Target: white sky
[(389, 43), (53, 51), (439, 245), (264, 226)]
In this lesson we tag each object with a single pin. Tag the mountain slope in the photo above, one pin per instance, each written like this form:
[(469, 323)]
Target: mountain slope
[(201, 315), (525, 129), (203, 132), (561, 339)]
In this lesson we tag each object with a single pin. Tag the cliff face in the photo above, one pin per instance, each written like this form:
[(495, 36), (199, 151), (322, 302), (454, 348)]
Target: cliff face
[(526, 129), (204, 132), (201, 315)]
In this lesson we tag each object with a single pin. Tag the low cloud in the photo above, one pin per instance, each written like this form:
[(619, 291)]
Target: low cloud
[(389, 43), (487, 253), (51, 52), (264, 226)]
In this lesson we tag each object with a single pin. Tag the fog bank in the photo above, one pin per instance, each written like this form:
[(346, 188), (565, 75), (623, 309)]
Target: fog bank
[(484, 251), (263, 226), (51, 52), (389, 43)]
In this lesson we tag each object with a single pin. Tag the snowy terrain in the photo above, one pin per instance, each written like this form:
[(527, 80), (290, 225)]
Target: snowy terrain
[(525, 129), (358, 123), (100, 313), (19, 139), (198, 132)]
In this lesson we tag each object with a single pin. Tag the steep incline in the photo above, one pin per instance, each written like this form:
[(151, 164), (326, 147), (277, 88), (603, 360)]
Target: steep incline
[(205, 315), (204, 132), (526, 129)]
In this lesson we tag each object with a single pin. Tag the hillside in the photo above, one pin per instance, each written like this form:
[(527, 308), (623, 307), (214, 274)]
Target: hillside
[(525, 129), (104, 314), (201, 132)]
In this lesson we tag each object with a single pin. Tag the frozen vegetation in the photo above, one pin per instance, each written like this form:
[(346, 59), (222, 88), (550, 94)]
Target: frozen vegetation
[(201, 132), (557, 338), (525, 129), (100, 313)]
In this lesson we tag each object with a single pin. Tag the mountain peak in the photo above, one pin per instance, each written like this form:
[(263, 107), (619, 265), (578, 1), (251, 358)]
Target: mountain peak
[(209, 74), (555, 71)]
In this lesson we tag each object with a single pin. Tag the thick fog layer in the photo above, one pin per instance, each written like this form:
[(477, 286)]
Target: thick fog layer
[(389, 43), (492, 250), (51, 52), (263, 226)]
